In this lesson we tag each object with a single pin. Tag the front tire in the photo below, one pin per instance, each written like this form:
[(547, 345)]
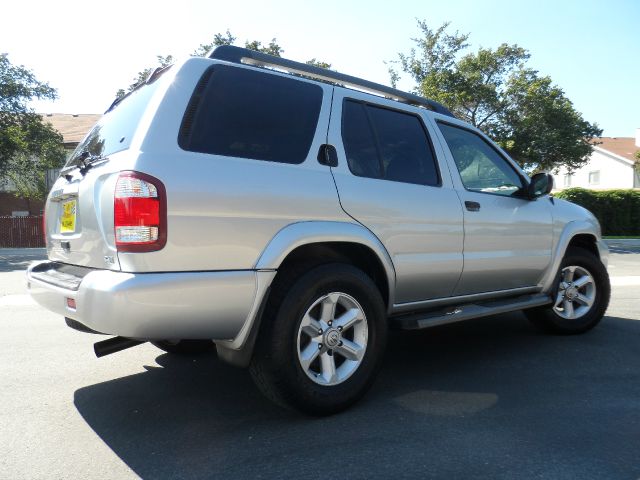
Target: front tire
[(580, 295), (322, 339)]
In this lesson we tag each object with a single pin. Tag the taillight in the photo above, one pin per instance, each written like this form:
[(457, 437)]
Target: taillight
[(139, 213)]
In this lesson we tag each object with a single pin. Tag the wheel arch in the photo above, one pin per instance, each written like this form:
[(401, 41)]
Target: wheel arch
[(579, 233), (320, 242)]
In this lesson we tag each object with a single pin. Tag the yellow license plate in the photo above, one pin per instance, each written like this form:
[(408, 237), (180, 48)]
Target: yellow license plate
[(68, 219)]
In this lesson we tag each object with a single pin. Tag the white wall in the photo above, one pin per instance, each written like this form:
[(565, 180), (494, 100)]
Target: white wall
[(614, 173)]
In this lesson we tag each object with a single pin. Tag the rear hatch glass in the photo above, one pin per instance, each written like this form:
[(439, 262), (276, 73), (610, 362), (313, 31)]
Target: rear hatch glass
[(114, 131)]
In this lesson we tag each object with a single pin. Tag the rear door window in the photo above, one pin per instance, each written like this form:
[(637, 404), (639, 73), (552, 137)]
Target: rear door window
[(359, 141), (244, 113), (387, 144)]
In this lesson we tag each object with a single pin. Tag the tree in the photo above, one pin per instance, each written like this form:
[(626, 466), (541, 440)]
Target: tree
[(318, 63), (28, 145), (227, 38), (524, 112), (143, 74)]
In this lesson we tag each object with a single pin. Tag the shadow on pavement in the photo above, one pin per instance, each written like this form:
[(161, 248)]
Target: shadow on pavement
[(487, 398)]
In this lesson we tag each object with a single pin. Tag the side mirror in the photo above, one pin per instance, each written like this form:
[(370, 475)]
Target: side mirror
[(541, 184)]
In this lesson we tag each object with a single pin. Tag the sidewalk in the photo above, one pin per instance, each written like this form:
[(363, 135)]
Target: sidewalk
[(623, 245), (18, 259), (41, 252)]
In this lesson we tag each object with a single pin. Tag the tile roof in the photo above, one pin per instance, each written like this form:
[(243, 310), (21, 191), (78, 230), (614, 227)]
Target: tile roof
[(622, 146), (72, 127)]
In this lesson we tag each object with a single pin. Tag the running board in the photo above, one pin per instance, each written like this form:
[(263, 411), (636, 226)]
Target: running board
[(432, 318)]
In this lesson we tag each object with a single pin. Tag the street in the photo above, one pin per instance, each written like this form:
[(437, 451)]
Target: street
[(489, 398)]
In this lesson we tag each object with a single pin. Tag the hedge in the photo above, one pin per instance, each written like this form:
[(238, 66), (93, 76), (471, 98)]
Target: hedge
[(618, 211)]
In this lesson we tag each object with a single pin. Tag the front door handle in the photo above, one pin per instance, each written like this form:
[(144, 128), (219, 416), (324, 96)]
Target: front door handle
[(472, 206)]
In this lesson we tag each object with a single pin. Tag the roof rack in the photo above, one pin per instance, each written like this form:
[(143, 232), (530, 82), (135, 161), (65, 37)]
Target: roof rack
[(234, 54)]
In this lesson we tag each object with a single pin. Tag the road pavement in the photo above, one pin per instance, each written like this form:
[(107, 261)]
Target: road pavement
[(490, 398)]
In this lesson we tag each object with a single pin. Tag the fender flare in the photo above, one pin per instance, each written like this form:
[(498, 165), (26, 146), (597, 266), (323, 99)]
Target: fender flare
[(571, 229), (304, 233)]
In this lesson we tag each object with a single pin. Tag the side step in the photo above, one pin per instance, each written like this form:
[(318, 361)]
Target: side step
[(426, 319)]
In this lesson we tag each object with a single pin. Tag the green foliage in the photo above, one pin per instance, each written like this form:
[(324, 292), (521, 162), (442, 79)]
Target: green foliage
[(142, 76), (28, 145), (318, 63), (218, 39), (618, 211), (227, 38), (272, 48), (525, 113)]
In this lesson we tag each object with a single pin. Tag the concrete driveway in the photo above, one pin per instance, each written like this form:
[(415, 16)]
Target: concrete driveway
[(490, 398)]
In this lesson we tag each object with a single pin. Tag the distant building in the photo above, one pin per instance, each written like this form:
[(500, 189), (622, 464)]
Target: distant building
[(73, 129), (611, 165)]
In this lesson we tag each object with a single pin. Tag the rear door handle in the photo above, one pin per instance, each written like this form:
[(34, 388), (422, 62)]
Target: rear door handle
[(328, 156), (472, 206)]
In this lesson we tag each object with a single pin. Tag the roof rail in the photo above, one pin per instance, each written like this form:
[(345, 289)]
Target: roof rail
[(234, 54)]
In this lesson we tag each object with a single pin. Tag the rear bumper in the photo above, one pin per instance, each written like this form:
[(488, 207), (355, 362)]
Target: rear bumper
[(153, 306)]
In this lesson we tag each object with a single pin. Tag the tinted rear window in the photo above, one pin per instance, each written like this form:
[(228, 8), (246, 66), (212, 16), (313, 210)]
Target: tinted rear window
[(387, 144), (359, 142), (244, 113)]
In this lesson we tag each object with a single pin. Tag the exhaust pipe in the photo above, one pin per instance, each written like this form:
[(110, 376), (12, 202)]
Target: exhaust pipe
[(113, 345)]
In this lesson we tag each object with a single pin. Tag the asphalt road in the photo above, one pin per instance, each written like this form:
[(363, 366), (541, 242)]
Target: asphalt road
[(490, 398)]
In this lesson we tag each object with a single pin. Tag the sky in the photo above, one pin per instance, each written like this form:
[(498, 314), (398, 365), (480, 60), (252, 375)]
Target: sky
[(88, 50)]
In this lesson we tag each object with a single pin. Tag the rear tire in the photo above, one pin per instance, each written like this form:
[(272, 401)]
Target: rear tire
[(322, 339), (580, 295), (185, 347)]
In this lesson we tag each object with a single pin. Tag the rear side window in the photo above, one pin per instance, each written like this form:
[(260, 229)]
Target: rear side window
[(244, 113), (387, 144)]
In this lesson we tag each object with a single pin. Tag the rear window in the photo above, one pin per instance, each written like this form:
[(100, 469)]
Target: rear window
[(115, 130), (244, 113)]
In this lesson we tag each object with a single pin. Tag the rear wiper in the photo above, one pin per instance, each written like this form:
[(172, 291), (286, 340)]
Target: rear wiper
[(86, 160), (90, 160)]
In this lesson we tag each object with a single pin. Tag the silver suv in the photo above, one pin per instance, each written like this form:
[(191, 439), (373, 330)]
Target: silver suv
[(287, 216)]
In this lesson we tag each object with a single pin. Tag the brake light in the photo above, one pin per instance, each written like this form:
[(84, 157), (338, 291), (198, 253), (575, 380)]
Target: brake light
[(139, 213)]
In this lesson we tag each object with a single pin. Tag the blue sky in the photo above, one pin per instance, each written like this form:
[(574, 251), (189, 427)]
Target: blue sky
[(87, 50)]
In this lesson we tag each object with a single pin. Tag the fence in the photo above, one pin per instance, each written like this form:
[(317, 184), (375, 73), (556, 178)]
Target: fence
[(21, 232)]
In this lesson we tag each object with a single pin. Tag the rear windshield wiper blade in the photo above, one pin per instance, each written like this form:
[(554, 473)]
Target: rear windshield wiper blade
[(85, 161)]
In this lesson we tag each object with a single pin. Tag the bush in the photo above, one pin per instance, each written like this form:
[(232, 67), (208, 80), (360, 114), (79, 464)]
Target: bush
[(618, 211)]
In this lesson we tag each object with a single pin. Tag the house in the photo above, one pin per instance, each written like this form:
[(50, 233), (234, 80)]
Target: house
[(611, 165), (73, 128)]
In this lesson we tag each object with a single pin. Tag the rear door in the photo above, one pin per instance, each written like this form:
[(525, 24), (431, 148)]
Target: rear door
[(389, 180), (508, 238)]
